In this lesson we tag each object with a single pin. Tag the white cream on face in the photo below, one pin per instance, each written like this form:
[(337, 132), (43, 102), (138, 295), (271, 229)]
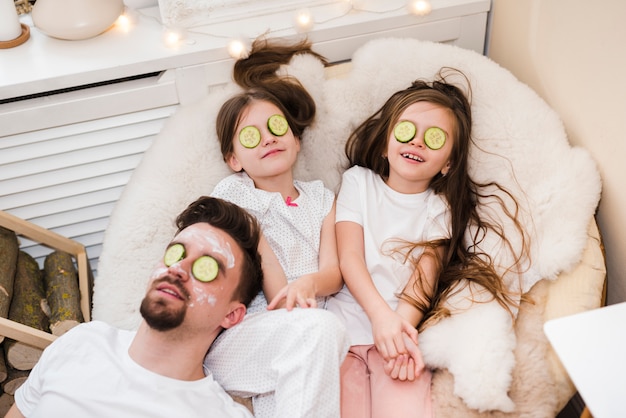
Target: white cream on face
[(205, 242), (208, 242)]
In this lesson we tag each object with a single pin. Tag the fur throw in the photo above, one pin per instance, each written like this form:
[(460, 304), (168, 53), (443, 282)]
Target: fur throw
[(521, 144)]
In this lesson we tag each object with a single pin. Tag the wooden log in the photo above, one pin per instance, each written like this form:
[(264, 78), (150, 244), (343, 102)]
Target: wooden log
[(63, 293), (21, 356), (8, 263), (28, 307), (14, 380), (3, 367)]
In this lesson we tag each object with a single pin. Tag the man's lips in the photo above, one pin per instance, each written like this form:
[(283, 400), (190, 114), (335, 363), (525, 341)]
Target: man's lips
[(172, 288)]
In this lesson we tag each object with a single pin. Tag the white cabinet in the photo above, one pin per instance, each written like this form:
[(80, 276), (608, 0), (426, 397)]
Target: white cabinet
[(76, 116)]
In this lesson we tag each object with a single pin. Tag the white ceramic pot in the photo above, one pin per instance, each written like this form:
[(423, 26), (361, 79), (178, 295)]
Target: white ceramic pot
[(9, 23), (75, 19)]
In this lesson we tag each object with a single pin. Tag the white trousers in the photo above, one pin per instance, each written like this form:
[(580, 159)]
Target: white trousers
[(288, 362)]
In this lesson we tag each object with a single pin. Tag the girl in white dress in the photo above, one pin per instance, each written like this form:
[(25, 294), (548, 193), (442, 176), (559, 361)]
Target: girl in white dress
[(287, 359)]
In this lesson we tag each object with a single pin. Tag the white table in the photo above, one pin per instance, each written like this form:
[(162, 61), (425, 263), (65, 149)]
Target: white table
[(592, 347)]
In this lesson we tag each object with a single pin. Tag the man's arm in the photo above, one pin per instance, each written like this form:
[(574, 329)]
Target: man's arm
[(14, 413)]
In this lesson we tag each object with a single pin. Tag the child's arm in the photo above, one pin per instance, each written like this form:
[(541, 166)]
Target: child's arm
[(428, 266), (387, 325), (326, 281), (426, 272), (274, 277)]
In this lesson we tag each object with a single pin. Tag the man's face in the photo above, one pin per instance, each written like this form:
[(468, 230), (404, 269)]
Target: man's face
[(175, 297)]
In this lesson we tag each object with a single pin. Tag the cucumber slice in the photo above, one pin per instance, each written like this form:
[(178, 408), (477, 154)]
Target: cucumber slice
[(205, 268), (174, 254), (250, 136), (434, 138), (404, 131), (277, 124)]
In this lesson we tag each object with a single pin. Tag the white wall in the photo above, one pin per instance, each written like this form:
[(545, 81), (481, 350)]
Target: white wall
[(573, 53)]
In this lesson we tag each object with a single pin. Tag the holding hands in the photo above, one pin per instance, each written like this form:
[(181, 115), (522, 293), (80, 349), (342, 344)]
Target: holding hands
[(395, 339)]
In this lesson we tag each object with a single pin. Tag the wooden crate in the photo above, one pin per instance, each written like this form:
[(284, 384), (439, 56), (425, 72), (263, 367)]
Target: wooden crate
[(32, 336)]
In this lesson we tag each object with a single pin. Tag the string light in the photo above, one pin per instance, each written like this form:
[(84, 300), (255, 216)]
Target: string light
[(304, 20), (420, 7), (126, 21), (173, 37), (238, 49)]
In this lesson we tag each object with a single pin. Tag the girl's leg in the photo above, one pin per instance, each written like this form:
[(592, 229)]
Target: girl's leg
[(355, 384), (291, 358), (395, 398)]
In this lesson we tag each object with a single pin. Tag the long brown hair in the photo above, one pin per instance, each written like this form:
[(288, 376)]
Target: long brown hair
[(257, 75), (464, 261)]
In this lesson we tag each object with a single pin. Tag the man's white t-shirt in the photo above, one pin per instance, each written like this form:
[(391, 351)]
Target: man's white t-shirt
[(88, 373), (389, 220)]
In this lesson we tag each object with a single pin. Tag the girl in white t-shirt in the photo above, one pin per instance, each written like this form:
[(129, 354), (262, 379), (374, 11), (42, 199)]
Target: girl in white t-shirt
[(288, 359), (402, 212)]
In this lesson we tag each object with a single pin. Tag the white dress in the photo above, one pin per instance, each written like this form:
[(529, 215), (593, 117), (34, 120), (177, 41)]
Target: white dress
[(289, 361)]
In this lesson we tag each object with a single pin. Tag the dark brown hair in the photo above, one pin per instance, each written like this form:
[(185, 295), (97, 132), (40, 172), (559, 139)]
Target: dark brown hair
[(244, 230)]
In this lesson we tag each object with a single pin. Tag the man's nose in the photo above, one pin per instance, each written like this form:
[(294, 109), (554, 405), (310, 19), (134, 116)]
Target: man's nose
[(179, 270)]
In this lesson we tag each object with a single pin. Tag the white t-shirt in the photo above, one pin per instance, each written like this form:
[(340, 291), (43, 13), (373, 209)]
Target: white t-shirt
[(88, 373), (292, 231), (389, 219)]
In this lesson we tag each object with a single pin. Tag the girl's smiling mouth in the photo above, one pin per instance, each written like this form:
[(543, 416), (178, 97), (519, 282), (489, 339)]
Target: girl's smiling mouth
[(271, 152), (413, 157)]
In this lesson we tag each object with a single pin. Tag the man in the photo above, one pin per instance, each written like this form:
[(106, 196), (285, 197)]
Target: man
[(210, 272)]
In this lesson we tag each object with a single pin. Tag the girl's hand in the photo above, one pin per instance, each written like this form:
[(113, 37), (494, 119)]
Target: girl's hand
[(406, 367), (300, 292), (388, 328)]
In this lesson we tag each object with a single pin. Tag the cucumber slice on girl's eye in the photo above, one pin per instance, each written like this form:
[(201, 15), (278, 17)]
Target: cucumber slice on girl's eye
[(205, 268), (250, 136), (277, 124), (404, 131), (174, 254), (434, 138)]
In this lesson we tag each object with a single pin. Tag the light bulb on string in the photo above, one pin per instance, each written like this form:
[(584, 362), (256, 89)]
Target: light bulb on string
[(303, 20), (238, 48), (173, 37), (420, 7), (126, 21)]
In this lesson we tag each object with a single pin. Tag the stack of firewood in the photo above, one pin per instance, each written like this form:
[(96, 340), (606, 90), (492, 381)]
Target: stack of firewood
[(46, 299)]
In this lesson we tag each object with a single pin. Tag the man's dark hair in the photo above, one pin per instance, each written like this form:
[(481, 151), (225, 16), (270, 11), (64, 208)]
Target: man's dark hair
[(244, 230)]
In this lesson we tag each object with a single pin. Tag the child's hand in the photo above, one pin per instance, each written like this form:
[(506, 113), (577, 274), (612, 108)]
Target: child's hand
[(300, 292), (388, 329), (406, 367)]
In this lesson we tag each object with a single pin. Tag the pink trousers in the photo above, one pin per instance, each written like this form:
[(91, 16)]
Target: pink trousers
[(367, 391)]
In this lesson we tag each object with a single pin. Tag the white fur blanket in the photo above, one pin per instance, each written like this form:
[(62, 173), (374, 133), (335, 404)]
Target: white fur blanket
[(521, 144)]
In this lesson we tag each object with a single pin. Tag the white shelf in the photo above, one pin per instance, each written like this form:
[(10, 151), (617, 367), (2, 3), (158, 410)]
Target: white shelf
[(45, 64)]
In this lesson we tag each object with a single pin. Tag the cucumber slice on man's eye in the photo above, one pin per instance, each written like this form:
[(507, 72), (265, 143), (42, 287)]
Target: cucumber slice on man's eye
[(278, 125), (404, 131), (205, 268), (174, 254), (250, 136), (434, 138)]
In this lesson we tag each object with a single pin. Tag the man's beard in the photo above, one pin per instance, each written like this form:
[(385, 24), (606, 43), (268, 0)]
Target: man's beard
[(159, 316)]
